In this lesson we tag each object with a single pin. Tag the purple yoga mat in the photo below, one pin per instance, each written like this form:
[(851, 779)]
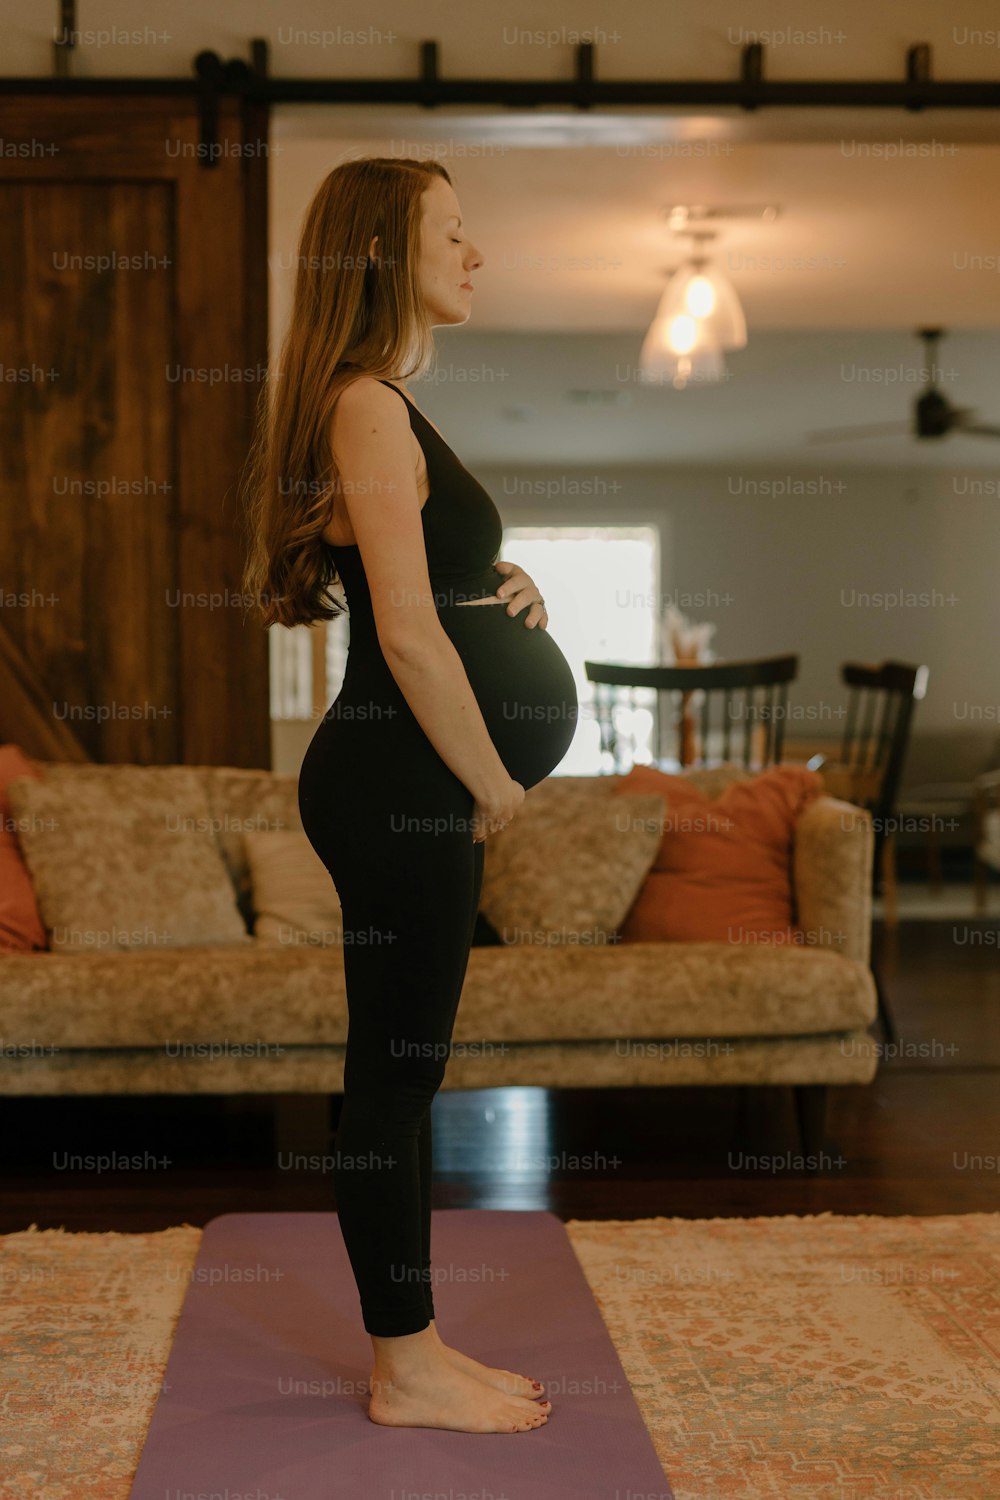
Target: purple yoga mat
[(265, 1392)]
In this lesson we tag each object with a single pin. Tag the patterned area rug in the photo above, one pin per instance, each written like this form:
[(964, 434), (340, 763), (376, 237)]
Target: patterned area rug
[(821, 1358)]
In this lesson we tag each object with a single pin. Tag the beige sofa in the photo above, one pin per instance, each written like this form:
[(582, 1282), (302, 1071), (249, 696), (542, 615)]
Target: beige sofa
[(251, 1016)]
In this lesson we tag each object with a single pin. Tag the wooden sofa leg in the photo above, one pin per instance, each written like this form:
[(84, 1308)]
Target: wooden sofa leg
[(885, 1019), (888, 859), (979, 884), (810, 1111)]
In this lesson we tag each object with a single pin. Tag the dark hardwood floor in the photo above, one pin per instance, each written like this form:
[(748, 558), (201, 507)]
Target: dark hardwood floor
[(923, 1138)]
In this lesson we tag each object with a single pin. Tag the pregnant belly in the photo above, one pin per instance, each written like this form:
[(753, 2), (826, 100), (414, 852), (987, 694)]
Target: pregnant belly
[(523, 684)]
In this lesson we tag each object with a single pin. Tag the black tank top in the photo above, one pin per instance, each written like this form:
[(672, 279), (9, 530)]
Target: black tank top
[(463, 530)]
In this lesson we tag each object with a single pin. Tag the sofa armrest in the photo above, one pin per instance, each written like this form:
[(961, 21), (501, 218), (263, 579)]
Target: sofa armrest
[(832, 876)]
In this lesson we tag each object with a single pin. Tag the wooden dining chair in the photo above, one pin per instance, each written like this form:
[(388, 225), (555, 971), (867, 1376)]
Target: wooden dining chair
[(986, 836), (707, 713), (866, 769)]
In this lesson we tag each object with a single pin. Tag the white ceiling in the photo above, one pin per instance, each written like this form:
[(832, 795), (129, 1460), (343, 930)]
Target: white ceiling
[(880, 215)]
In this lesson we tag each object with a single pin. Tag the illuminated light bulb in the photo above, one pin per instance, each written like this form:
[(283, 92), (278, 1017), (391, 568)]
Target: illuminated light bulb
[(708, 296), (682, 334), (700, 297)]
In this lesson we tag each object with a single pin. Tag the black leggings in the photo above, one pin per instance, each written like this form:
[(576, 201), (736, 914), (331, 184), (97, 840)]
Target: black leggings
[(393, 825)]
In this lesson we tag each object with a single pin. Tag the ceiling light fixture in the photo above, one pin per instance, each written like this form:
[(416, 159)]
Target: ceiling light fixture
[(699, 314), (700, 291)]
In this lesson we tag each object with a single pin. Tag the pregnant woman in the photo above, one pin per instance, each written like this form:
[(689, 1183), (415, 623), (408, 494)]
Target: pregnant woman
[(455, 700)]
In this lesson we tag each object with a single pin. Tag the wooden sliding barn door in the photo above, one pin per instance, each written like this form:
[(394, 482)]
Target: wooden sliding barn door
[(133, 340)]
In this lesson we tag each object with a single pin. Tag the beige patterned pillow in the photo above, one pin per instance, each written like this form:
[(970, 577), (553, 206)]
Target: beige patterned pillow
[(569, 866), (247, 801), (293, 897), (123, 857)]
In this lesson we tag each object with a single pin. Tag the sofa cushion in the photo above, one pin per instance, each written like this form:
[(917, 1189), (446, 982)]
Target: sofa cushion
[(724, 871), (261, 996), (21, 926), (711, 781), (241, 800), (123, 856), (293, 896), (570, 864)]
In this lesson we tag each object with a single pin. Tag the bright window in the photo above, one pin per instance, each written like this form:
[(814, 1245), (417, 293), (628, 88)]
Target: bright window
[(290, 652), (601, 585)]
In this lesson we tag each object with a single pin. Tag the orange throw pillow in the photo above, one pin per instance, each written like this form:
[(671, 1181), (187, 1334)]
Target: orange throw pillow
[(21, 927), (723, 873)]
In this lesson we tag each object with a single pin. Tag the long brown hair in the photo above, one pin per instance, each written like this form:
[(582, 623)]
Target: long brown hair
[(351, 316)]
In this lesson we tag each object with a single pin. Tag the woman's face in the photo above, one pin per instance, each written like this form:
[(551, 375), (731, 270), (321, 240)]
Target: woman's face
[(447, 257)]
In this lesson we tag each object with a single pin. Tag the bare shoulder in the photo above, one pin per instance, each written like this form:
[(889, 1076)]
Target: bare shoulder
[(366, 398)]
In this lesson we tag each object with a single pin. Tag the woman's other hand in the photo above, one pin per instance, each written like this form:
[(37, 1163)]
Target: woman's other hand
[(519, 591)]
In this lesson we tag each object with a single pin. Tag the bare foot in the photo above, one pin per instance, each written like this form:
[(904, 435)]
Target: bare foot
[(501, 1380), (437, 1394)]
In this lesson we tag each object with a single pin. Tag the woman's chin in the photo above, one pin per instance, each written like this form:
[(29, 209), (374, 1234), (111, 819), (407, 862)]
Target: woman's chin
[(460, 312)]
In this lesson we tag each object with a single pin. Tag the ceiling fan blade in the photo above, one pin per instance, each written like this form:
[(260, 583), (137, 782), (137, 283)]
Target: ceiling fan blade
[(861, 430), (979, 429)]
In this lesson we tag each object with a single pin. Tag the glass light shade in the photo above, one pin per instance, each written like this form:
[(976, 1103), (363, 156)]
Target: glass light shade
[(700, 299), (667, 356), (681, 333), (699, 290)]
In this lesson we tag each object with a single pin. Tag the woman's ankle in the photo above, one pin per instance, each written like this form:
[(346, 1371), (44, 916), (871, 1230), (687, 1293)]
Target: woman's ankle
[(405, 1351)]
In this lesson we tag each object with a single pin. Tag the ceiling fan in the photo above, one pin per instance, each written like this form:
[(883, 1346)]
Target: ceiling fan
[(933, 414)]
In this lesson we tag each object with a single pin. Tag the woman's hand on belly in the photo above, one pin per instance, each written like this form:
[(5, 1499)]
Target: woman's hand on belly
[(519, 590)]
